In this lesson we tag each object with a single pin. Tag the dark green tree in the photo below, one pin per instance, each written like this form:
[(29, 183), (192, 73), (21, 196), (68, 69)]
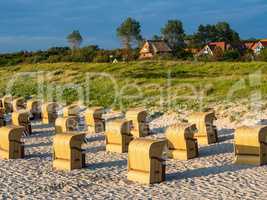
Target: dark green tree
[(205, 34), (173, 33), (263, 55), (220, 32), (224, 32), (129, 32), (156, 37), (75, 39)]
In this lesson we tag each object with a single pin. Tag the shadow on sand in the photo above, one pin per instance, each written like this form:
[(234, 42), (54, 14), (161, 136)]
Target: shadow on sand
[(39, 155), (41, 134), (95, 149), (206, 171), (226, 134), (94, 139), (42, 144), (215, 149), (160, 130), (116, 163)]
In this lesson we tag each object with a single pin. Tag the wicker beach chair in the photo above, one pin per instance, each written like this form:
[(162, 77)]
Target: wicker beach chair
[(207, 132), (2, 117), (7, 103), (66, 124), (118, 136), (145, 161), (71, 110), (18, 104), (49, 112), (34, 107), (181, 142), (22, 118), (94, 120), (67, 151), (251, 145), (140, 127), (11, 146)]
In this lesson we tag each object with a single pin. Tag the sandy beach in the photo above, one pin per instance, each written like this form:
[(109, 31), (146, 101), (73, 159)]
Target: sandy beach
[(211, 176)]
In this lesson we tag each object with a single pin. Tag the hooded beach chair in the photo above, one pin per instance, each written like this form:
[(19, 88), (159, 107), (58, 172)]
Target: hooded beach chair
[(94, 120), (67, 151), (11, 145), (22, 118), (207, 132), (71, 110), (66, 124), (139, 121), (250, 145), (118, 136), (50, 112), (7, 103), (181, 142), (145, 161), (18, 104), (2, 117), (34, 107)]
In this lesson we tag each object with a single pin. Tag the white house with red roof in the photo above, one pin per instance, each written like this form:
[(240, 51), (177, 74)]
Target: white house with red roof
[(262, 44)]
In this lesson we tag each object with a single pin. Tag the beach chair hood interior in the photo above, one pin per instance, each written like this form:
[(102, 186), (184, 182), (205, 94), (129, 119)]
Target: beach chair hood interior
[(7, 103), (22, 118), (66, 124), (34, 107), (71, 110), (50, 112), (18, 104), (94, 120)]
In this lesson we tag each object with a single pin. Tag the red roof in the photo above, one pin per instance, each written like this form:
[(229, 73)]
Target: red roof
[(250, 45), (264, 43), (222, 45)]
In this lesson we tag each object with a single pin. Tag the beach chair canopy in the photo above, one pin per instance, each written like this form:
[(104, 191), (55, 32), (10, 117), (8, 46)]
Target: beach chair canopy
[(145, 161)]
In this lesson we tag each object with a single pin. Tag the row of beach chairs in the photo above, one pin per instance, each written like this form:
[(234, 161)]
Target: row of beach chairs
[(146, 163)]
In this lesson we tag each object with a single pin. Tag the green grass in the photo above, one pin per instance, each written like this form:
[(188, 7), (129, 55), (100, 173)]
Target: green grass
[(165, 84)]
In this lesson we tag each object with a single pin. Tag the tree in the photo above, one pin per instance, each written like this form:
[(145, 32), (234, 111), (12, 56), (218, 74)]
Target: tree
[(263, 55), (156, 37), (173, 33), (225, 33), (205, 34), (75, 39), (129, 32), (220, 32)]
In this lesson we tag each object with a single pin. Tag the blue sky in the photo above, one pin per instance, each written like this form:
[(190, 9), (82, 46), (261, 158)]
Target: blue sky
[(39, 24)]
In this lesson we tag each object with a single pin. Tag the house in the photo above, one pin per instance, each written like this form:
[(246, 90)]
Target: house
[(192, 50), (259, 46), (211, 47), (251, 45), (151, 48)]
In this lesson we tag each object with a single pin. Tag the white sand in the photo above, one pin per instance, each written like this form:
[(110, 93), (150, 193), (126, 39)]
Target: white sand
[(211, 176)]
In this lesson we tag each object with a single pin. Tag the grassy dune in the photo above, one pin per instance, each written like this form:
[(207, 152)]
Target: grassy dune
[(165, 84)]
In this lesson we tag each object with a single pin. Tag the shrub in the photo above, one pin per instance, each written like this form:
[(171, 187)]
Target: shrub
[(263, 55), (231, 55), (54, 59), (102, 57)]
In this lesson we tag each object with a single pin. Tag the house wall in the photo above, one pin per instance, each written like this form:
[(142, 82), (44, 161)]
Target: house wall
[(258, 48), (146, 55)]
